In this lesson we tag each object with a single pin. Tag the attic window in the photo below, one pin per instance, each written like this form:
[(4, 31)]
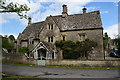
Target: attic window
[(50, 26)]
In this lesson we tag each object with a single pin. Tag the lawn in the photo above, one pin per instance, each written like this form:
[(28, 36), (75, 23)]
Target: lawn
[(16, 77), (78, 67), (68, 67)]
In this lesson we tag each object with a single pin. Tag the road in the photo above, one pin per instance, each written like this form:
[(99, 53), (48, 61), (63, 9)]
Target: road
[(44, 72)]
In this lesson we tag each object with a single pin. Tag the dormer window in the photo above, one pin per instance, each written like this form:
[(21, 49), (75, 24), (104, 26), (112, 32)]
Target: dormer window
[(50, 26)]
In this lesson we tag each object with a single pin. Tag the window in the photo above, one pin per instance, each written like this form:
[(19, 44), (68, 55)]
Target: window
[(31, 40), (82, 37), (63, 38), (50, 39), (50, 26)]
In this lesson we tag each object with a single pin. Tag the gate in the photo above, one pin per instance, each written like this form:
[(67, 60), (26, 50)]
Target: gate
[(41, 62)]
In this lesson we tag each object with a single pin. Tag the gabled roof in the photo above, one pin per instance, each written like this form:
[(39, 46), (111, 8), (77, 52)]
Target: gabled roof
[(78, 21), (48, 46), (35, 27), (90, 20)]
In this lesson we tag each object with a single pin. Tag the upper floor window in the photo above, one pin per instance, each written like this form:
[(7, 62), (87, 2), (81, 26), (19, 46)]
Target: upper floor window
[(50, 39), (50, 26), (31, 40)]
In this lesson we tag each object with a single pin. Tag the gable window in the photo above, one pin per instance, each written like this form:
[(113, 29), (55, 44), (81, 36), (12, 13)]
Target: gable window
[(81, 37), (50, 26), (50, 39)]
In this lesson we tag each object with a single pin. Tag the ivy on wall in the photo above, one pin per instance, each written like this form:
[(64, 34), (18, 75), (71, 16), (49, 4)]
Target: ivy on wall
[(76, 49)]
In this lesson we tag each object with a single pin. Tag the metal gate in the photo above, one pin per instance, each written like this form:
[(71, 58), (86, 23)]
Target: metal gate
[(41, 62)]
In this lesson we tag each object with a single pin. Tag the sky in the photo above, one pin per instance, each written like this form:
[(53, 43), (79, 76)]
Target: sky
[(11, 24)]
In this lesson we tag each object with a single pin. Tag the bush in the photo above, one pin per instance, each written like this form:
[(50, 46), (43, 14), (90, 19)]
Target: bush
[(7, 45), (24, 49), (74, 50)]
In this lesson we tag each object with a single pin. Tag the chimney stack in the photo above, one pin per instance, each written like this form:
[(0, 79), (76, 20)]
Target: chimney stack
[(84, 10), (29, 20), (64, 13)]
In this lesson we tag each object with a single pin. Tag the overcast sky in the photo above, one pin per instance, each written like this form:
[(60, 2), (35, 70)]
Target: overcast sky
[(40, 9)]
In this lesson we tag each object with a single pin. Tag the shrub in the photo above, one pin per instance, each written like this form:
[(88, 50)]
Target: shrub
[(24, 49), (73, 50)]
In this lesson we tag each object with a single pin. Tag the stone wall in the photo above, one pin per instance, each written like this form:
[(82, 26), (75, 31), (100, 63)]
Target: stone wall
[(21, 59), (94, 35), (17, 58), (84, 63)]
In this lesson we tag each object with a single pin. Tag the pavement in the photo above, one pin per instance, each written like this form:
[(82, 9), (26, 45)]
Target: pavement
[(60, 73)]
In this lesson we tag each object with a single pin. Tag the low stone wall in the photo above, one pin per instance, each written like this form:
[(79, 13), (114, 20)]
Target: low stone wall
[(22, 59), (84, 63), (17, 58)]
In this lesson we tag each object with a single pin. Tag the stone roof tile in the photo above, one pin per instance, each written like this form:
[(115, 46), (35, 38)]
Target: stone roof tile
[(79, 21)]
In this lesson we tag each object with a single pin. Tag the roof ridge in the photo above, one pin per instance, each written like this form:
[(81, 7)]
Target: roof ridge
[(76, 14), (37, 22)]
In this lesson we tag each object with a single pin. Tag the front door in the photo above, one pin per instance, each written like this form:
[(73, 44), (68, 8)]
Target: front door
[(41, 57)]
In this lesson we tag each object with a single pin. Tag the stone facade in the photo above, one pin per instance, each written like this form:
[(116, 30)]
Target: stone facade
[(76, 27)]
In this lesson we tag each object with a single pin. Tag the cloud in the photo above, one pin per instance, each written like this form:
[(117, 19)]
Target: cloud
[(65, 0), (54, 8), (104, 12), (112, 30), (3, 21)]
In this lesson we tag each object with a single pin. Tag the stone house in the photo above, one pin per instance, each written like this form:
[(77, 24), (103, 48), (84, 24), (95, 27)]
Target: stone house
[(40, 37)]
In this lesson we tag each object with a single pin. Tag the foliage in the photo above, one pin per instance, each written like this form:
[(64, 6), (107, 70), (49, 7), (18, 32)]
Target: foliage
[(73, 50), (105, 40), (11, 37), (7, 45), (79, 67), (14, 7), (23, 49), (118, 43)]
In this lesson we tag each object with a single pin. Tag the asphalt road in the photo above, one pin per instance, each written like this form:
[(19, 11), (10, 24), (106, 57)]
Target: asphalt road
[(59, 73)]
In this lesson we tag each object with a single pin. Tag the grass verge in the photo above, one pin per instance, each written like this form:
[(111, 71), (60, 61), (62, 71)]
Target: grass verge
[(16, 77), (78, 67), (16, 64), (67, 67)]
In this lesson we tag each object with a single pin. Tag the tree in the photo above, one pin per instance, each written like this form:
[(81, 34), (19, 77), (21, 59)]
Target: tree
[(11, 37), (11, 7), (75, 50), (117, 41), (24, 49), (105, 40), (7, 45)]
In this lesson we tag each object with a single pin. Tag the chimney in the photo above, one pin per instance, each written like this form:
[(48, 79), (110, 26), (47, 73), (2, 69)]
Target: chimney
[(29, 20), (64, 13), (84, 10)]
